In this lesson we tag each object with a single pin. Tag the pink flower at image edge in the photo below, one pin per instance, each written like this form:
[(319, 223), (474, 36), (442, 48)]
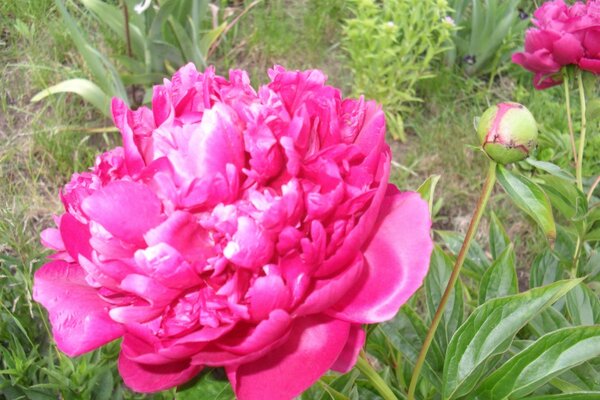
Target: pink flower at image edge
[(563, 35), (250, 230)]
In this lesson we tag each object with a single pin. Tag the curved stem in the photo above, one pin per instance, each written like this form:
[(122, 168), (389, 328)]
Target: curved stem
[(592, 188), (582, 134), (378, 383), (569, 119), (477, 213)]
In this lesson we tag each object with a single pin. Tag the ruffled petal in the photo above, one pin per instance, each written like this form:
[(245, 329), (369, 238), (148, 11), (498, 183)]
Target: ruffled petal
[(125, 209), (397, 260), (146, 378), (348, 357), (314, 344), (79, 317)]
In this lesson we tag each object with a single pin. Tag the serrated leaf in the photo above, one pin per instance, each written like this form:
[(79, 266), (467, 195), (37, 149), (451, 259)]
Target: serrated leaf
[(87, 89), (548, 357), (489, 331), (440, 269), (206, 387), (501, 278), (583, 306), (427, 189), (499, 239), (530, 198)]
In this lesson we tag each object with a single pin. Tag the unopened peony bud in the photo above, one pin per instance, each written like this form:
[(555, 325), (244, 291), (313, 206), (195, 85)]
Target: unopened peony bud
[(507, 132)]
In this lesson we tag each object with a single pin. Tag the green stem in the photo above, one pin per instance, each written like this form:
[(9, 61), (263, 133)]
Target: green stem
[(569, 119), (477, 213), (582, 134), (378, 383)]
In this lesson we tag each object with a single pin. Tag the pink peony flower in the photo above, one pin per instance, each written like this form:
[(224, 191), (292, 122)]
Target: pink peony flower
[(563, 35), (251, 231)]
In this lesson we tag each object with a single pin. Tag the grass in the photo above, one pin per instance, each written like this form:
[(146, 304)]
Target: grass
[(41, 145)]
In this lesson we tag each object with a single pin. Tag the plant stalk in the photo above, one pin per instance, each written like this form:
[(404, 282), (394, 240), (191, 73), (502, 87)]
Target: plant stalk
[(582, 132), (569, 119), (486, 190), (127, 32), (378, 383)]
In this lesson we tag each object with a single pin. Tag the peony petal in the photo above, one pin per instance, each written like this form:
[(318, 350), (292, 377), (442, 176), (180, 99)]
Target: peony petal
[(314, 344), (567, 50), (355, 343), (589, 64), (133, 157), (125, 209), (326, 292), (79, 317), (397, 260), (76, 236), (153, 378)]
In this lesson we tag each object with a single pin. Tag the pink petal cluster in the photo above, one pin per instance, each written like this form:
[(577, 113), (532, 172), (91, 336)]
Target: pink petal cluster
[(254, 231), (564, 35)]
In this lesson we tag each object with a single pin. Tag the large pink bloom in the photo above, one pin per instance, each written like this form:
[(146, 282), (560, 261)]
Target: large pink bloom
[(563, 35), (251, 231)]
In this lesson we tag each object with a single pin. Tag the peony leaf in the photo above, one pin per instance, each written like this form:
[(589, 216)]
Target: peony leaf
[(501, 278), (530, 198), (427, 189), (499, 239), (583, 306), (568, 396), (489, 331), (87, 89), (545, 269), (405, 333), (206, 387), (546, 358), (440, 269)]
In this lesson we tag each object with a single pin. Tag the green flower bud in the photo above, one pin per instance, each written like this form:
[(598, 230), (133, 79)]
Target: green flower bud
[(507, 132)]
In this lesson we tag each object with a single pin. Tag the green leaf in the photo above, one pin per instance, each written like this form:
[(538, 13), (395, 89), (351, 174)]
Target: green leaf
[(592, 267), (548, 321), (476, 260), (565, 197), (499, 239), (82, 87), (530, 198), (548, 357), (545, 269), (568, 396), (427, 189), (103, 72), (593, 235), (113, 17), (186, 45), (551, 168), (489, 331), (583, 306), (501, 278), (206, 387), (440, 269), (406, 333)]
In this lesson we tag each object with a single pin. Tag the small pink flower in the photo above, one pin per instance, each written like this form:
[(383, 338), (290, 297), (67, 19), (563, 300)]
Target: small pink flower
[(254, 231), (563, 35)]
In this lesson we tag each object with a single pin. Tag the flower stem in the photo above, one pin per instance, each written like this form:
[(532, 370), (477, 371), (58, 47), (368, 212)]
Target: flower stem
[(477, 213), (582, 133), (378, 383), (569, 119)]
